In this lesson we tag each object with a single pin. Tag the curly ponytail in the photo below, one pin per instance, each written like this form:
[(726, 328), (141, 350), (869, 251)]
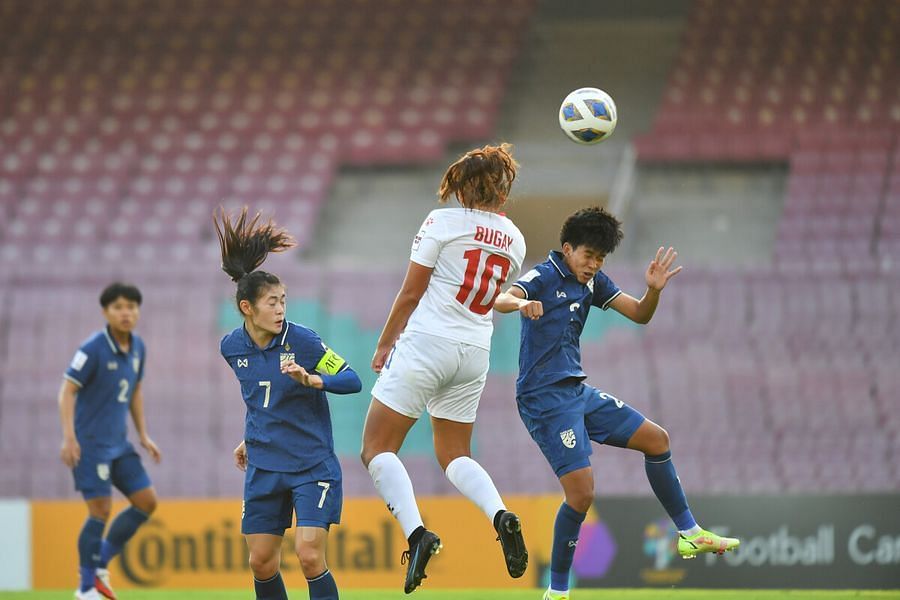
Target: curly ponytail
[(481, 178)]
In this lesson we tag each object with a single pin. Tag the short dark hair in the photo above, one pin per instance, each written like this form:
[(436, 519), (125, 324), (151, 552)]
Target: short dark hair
[(117, 290), (592, 227)]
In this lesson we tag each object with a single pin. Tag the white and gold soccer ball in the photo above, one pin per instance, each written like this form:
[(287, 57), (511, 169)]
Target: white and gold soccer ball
[(588, 116)]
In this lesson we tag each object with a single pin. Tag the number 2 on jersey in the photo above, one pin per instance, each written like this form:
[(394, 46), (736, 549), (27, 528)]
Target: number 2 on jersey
[(123, 391), (489, 273)]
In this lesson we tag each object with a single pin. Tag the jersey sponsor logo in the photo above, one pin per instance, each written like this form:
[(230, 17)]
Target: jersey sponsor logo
[(103, 471), (112, 365), (573, 543), (574, 306), (560, 294), (78, 360), (568, 438), (286, 357), (243, 362), (493, 237), (136, 364)]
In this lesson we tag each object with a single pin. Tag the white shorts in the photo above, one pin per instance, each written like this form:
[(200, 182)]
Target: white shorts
[(424, 371)]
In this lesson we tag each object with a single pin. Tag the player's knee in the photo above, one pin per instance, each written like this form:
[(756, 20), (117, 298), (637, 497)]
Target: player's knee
[(100, 510), (101, 513), (263, 566), (446, 457), (147, 505), (660, 444), (312, 560), (580, 500)]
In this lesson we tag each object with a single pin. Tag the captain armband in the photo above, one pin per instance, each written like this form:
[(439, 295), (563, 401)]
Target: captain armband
[(331, 363)]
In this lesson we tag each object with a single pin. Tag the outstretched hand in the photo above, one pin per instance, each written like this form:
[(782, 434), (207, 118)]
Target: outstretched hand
[(659, 272), (301, 375)]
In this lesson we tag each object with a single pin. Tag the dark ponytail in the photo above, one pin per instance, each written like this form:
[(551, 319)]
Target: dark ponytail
[(245, 244)]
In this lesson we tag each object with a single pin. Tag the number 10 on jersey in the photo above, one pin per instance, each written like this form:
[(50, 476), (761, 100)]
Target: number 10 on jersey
[(494, 268)]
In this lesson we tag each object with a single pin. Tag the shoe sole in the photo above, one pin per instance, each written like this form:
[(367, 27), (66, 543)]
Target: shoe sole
[(516, 564), (103, 590), (435, 548), (689, 555)]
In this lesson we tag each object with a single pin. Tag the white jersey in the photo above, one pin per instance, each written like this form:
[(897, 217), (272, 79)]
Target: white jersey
[(473, 253)]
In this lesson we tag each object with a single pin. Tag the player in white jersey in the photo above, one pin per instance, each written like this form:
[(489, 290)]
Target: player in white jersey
[(434, 349)]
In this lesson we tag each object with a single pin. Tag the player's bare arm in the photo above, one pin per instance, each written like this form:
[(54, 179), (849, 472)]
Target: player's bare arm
[(70, 450), (140, 424), (414, 285), (659, 271), (513, 299)]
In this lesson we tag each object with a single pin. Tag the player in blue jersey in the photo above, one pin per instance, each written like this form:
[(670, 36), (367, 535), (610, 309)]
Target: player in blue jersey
[(288, 451), (561, 413), (100, 387)]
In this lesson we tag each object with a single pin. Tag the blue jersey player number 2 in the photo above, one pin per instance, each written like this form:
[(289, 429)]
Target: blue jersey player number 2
[(100, 388)]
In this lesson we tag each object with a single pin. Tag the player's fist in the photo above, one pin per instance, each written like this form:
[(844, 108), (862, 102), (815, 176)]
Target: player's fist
[(531, 309), (70, 452), (380, 358), (240, 456), (301, 375)]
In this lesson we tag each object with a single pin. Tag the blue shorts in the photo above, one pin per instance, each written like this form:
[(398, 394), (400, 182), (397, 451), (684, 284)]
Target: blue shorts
[(271, 497), (576, 414), (94, 477)]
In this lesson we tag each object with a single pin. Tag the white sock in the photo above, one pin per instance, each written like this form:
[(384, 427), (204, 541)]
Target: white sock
[(690, 532), (474, 483), (395, 487)]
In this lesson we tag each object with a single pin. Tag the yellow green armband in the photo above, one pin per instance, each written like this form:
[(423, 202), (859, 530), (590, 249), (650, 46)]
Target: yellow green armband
[(331, 363)]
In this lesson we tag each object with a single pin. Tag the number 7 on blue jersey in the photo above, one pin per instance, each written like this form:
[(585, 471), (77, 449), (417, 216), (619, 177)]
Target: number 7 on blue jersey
[(268, 386)]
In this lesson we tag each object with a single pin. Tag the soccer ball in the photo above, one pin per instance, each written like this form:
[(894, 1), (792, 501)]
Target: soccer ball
[(588, 116)]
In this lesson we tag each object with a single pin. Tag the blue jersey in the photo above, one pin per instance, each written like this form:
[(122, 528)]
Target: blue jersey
[(549, 349), (106, 377), (288, 425)]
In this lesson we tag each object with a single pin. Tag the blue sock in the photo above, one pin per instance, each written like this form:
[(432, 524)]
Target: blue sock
[(270, 589), (667, 487), (323, 587), (565, 535), (89, 550), (121, 530)]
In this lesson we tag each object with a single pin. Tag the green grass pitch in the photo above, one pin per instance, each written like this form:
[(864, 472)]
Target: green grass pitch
[(592, 594)]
